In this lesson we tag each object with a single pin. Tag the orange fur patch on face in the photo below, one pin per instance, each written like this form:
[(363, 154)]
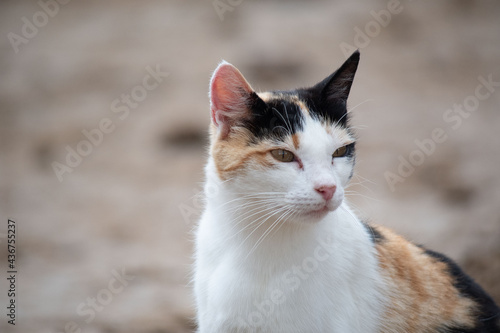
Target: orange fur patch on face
[(423, 294), (302, 106), (232, 154), (269, 96), (266, 96), (296, 141)]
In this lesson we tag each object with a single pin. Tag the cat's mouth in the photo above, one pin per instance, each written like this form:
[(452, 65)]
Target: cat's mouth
[(321, 210), (310, 208)]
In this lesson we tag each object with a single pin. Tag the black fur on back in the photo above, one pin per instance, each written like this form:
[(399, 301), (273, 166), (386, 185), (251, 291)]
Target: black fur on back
[(488, 314)]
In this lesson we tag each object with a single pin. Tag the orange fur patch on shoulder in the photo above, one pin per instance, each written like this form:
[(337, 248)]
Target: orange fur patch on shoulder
[(422, 295)]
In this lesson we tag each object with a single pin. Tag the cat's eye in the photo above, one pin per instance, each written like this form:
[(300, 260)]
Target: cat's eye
[(283, 155), (341, 152)]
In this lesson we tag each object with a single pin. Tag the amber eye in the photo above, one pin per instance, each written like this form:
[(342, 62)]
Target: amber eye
[(282, 155), (340, 152)]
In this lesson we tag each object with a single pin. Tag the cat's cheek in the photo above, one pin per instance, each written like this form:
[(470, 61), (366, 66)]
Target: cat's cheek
[(344, 172), (337, 200)]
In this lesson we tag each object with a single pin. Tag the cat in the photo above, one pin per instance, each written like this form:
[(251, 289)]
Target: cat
[(277, 247)]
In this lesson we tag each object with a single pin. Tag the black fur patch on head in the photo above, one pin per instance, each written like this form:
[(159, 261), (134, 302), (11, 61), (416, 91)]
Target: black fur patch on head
[(274, 119), (334, 112), (326, 101), (488, 314)]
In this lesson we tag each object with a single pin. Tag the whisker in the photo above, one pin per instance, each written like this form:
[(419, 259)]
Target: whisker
[(272, 206), (289, 123), (263, 219), (248, 204), (271, 227), (255, 211), (354, 193), (279, 221), (272, 195), (293, 212), (365, 179), (366, 101), (351, 184), (359, 127), (352, 109)]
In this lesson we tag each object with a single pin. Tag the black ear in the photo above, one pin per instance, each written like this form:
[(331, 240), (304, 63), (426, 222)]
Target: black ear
[(337, 86), (328, 99)]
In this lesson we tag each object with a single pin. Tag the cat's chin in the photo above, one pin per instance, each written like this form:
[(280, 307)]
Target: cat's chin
[(315, 215), (318, 214)]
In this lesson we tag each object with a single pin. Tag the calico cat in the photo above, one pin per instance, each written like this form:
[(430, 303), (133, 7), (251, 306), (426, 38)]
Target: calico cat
[(279, 250)]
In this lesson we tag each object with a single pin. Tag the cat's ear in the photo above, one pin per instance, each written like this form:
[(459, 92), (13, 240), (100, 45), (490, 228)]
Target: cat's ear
[(337, 86), (230, 97)]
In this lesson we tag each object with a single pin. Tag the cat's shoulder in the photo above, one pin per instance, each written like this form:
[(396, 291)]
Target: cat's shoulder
[(430, 287)]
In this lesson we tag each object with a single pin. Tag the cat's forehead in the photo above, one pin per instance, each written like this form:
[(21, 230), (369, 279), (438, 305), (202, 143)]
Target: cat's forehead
[(290, 112), (284, 100), (284, 112)]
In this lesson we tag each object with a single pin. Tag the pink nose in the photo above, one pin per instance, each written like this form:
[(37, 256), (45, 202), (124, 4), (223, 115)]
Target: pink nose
[(326, 191)]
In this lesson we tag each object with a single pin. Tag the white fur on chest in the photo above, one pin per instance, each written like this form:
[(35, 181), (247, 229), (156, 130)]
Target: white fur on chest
[(320, 277)]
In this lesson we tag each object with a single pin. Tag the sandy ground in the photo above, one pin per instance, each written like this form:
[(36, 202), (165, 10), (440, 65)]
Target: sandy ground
[(116, 230)]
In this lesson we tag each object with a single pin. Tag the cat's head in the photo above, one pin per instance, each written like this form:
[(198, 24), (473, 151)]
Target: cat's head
[(287, 150)]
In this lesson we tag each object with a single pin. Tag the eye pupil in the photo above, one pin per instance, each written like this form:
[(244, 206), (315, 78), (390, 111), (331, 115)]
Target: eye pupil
[(282, 155)]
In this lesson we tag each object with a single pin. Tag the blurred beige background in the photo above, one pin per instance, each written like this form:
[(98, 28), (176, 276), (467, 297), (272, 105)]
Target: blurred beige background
[(108, 248)]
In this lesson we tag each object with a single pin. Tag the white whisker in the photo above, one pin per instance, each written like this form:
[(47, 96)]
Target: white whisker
[(263, 219), (359, 104), (270, 229)]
